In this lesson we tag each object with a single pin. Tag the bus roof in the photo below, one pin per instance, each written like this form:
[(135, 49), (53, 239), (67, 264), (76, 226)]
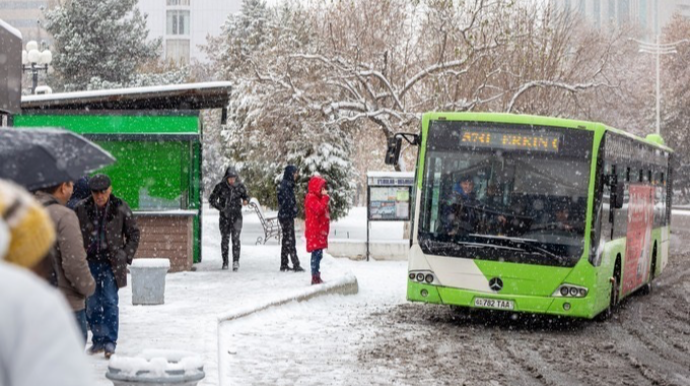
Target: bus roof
[(525, 119)]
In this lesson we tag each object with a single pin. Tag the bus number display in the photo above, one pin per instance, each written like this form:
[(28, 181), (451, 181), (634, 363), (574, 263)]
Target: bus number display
[(511, 140)]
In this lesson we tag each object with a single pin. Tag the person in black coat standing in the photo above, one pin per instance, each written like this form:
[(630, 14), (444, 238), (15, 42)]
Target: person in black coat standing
[(287, 211), (228, 197)]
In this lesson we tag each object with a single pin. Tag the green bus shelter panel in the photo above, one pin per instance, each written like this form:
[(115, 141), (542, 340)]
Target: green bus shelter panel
[(151, 175), (113, 123)]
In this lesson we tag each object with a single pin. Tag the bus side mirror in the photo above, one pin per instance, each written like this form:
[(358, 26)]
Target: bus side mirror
[(393, 151), (618, 195)]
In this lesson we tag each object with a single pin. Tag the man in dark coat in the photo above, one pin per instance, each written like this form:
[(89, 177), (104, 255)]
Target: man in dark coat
[(228, 197), (287, 211), (111, 238)]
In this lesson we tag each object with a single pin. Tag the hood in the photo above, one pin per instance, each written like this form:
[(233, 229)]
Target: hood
[(289, 173), (316, 183), (230, 172)]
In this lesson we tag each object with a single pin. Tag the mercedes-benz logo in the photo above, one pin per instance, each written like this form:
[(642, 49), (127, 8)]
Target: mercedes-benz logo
[(496, 284)]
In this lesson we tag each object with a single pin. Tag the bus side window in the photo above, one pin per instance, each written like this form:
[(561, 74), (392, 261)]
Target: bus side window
[(627, 174), (661, 178)]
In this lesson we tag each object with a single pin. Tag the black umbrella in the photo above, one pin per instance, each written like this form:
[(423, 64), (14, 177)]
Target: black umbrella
[(39, 158)]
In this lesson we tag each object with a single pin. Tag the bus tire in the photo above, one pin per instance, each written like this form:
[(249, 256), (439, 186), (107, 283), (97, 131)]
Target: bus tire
[(614, 297)]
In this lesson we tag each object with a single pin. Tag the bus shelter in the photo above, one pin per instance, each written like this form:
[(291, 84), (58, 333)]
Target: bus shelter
[(388, 198), (155, 135)]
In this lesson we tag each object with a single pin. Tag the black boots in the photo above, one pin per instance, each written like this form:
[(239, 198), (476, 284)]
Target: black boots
[(225, 265)]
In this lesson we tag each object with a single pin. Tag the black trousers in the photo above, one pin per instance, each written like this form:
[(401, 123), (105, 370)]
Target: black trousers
[(288, 243), (230, 227)]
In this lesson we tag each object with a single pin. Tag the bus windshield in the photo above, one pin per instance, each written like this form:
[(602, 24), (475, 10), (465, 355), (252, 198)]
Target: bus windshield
[(512, 193)]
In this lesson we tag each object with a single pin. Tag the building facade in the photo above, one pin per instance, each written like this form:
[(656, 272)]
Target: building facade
[(652, 15), (27, 17), (183, 25)]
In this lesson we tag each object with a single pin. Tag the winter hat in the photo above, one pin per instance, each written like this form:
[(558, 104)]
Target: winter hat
[(31, 231), (230, 172), (99, 183)]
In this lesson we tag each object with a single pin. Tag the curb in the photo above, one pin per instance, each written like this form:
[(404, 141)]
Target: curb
[(347, 285)]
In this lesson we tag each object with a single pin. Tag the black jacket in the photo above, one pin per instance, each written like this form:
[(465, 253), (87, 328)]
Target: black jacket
[(121, 233), (287, 204), (228, 198), (81, 191)]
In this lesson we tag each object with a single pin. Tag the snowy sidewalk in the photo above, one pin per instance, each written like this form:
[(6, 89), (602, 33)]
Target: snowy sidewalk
[(193, 300)]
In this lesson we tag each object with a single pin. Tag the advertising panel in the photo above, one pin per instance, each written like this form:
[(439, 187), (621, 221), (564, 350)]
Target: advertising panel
[(389, 203), (639, 236)]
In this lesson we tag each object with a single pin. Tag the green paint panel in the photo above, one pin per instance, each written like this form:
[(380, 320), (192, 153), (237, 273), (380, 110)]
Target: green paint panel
[(524, 279), (579, 308), (113, 123), (150, 175)]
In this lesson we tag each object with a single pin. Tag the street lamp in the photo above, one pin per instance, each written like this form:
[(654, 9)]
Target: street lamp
[(658, 50), (34, 61)]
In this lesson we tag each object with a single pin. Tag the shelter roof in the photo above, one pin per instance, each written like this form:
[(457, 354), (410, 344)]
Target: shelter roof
[(190, 96)]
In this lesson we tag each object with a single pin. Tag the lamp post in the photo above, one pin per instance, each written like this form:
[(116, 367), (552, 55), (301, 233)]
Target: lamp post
[(659, 49), (34, 61)]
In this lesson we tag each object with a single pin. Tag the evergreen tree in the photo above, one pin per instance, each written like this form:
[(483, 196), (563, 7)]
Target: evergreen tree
[(106, 39)]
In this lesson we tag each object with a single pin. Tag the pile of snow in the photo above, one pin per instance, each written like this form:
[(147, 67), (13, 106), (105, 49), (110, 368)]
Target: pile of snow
[(158, 363), (151, 263)]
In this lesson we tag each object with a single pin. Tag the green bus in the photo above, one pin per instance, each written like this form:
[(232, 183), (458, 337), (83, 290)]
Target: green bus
[(533, 214)]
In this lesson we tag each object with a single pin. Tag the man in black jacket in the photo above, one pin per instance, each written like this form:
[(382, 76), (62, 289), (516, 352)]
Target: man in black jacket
[(286, 215), (111, 238), (228, 197)]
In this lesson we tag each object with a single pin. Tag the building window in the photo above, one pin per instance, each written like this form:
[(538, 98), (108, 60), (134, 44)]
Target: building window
[(643, 13), (623, 11), (178, 23), (177, 50), (177, 2)]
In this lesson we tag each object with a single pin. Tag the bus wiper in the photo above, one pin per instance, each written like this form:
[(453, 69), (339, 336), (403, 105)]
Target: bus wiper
[(534, 248), (523, 245)]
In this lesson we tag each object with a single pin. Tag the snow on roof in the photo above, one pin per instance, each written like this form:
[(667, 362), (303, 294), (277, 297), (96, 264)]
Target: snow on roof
[(151, 263), (391, 174), (10, 29), (190, 95)]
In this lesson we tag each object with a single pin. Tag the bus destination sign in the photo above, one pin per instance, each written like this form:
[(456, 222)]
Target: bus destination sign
[(511, 139)]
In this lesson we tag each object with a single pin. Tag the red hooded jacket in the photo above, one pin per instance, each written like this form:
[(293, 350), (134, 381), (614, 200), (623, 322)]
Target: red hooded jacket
[(317, 217)]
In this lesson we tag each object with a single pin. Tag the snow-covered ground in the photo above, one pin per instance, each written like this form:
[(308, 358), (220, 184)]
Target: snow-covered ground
[(193, 300)]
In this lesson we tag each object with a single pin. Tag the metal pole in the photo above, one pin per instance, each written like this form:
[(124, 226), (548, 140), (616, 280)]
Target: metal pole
[(658, 87), (34, 73)]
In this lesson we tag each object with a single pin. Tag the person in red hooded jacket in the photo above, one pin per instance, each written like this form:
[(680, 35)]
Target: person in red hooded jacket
[(317, 219)]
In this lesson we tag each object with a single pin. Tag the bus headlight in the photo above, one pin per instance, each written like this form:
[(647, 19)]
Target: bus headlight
[(423, 277), (570, 291)]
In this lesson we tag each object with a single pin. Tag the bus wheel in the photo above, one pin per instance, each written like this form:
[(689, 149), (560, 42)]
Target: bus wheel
[(615, 292)]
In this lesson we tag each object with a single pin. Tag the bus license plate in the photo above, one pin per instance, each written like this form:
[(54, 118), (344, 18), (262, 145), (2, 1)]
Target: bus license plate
[(494, 303)]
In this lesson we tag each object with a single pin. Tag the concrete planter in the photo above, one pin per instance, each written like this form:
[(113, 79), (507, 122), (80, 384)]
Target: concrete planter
[(156, 367)]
